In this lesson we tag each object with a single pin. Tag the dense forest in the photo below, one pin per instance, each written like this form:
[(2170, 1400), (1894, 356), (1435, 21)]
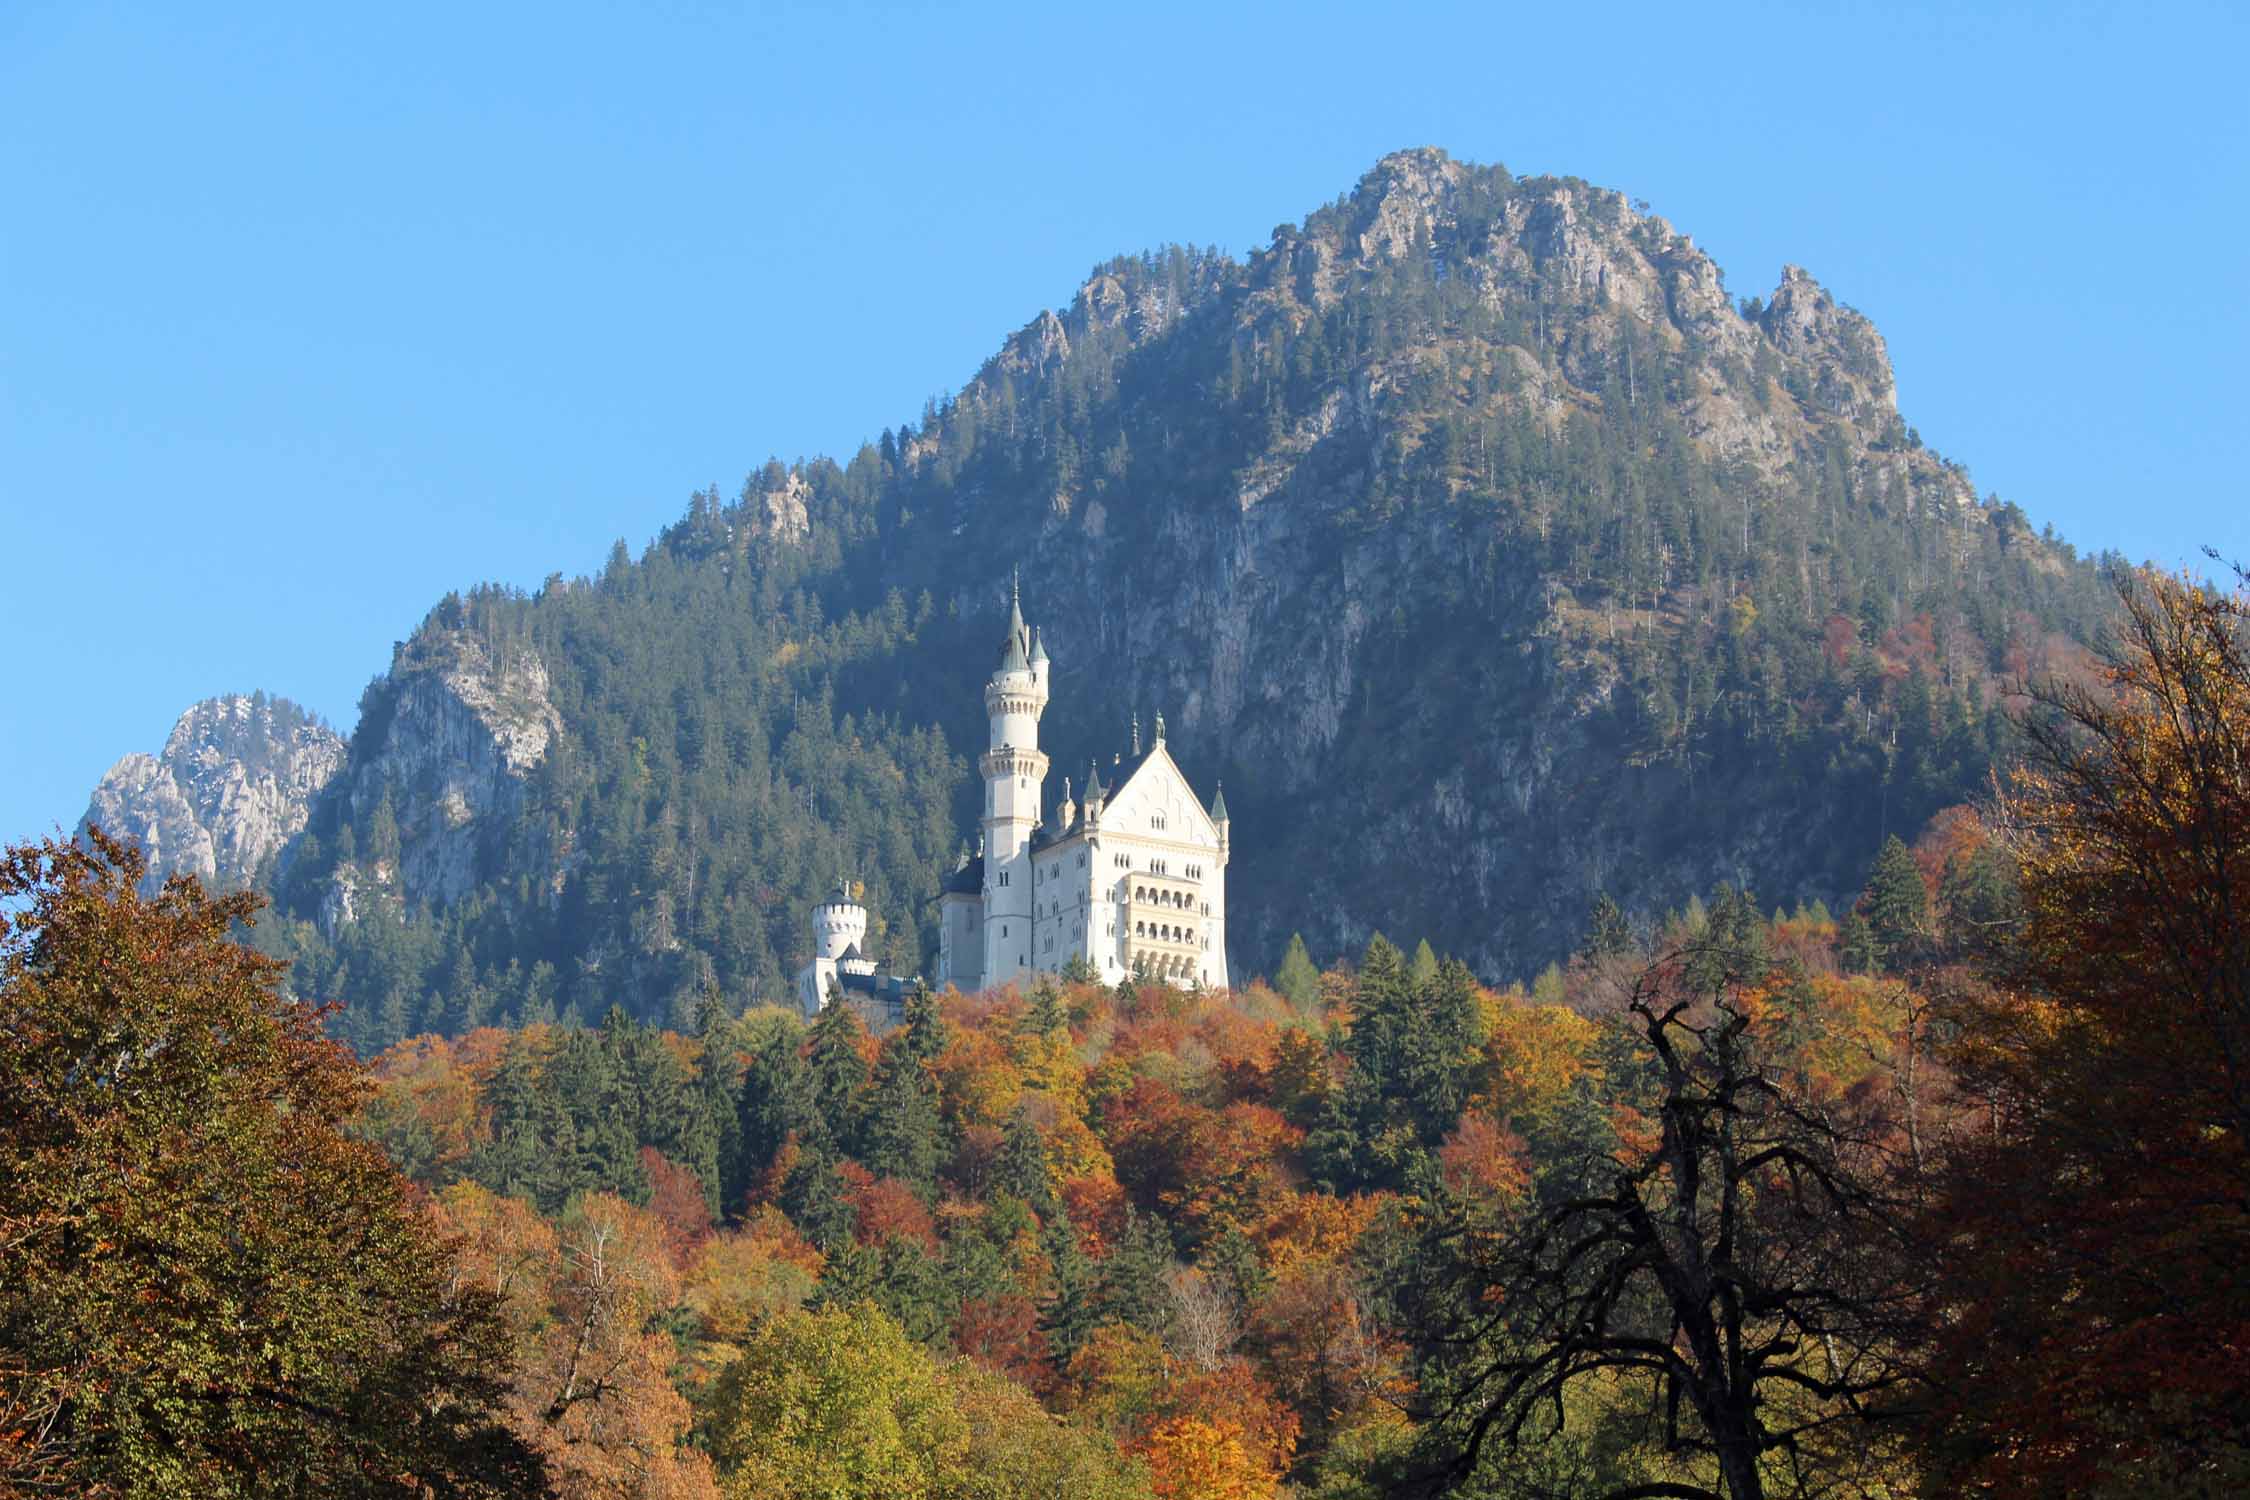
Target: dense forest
[(1940, 1193), (1491, 553)]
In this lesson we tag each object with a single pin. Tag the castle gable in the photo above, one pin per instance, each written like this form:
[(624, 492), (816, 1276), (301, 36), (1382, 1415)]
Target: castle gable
[(1157, 802)]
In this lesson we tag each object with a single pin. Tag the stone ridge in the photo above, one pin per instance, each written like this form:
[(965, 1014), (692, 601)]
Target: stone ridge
[(236, 781)]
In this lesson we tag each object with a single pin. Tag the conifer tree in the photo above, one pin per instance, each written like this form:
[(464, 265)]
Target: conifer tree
[(1072, 1308), (1607, 932), (1297, 980), (776, 1102), (904, 1134), (1022, 1170), (1897, 903), (838, 1072)]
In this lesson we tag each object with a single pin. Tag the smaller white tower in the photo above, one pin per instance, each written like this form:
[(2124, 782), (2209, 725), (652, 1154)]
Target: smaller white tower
[(1014, 772), (839, 925)]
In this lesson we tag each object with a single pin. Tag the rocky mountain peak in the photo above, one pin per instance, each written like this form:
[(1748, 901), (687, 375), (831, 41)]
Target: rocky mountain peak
[(235, 782)]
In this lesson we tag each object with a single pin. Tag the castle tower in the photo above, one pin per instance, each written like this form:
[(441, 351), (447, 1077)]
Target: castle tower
[(839, 925), (1014, 771)]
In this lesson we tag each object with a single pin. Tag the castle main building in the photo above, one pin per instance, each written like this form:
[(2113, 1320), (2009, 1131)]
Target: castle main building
[(1132, 879)]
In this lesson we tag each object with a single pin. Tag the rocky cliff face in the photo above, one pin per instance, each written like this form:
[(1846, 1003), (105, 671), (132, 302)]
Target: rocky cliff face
[(439, 769), (235, 782), (1360, 614)]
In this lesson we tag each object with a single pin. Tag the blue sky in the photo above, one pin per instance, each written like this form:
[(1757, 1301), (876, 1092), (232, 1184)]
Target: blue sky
[(312, 313)]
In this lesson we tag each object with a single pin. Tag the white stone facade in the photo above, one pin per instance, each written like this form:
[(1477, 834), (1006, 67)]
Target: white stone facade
[(1133, 879)]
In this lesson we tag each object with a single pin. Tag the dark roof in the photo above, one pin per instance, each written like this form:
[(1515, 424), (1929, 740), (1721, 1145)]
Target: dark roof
[(1038, 648), (1219, 803), (966, 881), (879, 986), (852, 955)]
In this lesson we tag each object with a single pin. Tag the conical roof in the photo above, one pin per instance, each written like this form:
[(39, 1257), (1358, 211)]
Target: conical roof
[(1038, 649), (1219, 803), (1014, 650)]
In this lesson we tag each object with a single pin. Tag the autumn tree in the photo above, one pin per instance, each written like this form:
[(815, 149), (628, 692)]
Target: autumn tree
[(207, 1286), (1736, 1257), (2094, 1240)]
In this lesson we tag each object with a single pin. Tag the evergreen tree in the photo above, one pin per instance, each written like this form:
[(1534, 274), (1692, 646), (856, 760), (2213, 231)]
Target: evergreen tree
[(1422, 972), (1022, 1171), (1072, 1308), (1297, 980), (776, 1103), (1133, 1287), (1897, 904), (837, 1068), (904, 1134), (1045, 1016), (1607, 932)]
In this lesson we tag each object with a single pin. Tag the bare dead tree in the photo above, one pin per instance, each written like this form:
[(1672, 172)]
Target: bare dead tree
[(1745, 1258)]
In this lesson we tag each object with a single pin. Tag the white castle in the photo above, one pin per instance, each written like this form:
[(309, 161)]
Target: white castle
[(839, 926), (1131, 881)]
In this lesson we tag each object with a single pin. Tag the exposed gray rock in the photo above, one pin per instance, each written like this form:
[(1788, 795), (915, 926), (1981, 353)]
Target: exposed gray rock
[(235, 783), (459, 734)]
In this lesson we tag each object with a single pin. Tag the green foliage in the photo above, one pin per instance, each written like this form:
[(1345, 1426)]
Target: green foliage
[(1297, 979)]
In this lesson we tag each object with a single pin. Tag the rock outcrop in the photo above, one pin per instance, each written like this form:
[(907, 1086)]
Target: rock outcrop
[(235, 782), (439, 769)]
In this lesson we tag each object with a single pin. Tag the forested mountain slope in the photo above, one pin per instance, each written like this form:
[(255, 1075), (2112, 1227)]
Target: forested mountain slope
[(1470, 531)]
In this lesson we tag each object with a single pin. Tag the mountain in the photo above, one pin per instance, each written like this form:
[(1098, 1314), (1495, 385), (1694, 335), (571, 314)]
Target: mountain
[(1490, 552), (234, 784)]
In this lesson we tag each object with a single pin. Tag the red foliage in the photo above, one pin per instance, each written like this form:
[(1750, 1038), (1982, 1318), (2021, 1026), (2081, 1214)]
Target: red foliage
[(1097, 1211), (1002, 1333), (1839, 639), (887, 1209), (1484, 1159), (676, 1197)]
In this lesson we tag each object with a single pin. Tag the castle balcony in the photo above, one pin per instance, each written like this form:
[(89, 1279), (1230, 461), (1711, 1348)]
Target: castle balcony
[(1166, 928)]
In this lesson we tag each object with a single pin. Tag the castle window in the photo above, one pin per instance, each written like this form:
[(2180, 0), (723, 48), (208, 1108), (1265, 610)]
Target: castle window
[(1156, 820)]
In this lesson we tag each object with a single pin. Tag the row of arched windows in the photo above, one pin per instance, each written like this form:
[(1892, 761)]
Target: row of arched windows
[(1164, 932), (1161, 897)]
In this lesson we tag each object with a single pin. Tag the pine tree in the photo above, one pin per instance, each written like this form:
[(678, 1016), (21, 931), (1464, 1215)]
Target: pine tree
[(904, 1134), (1897, 903), (1133, 1288), (1297, 980), (1022, 1169), (775, 1104), (1607, 932), (1045, 1016), (1422, 972), (1072, 1308), (838, 1072)]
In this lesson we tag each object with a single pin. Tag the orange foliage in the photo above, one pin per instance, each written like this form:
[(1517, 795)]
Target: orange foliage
[(1306, 1225), (676, 1198), (887, 1209), (1486, 1160), (1193, 1459), (1097, 1208)]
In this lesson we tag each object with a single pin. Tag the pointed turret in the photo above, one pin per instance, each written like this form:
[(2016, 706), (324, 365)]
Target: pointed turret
[(1015, 651), (1038, 647), (1219, 803)]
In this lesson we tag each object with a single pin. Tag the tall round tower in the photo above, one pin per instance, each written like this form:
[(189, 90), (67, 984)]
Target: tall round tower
[(1014, 773), (839, 923)]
